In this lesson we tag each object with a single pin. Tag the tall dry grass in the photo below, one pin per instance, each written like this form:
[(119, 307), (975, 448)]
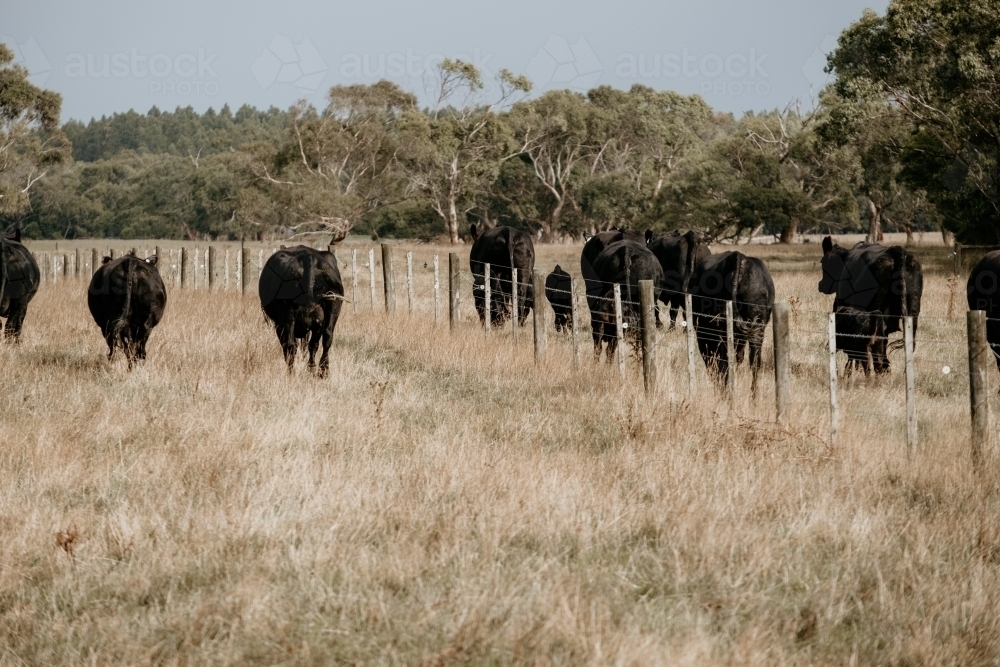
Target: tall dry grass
[(439, 499)]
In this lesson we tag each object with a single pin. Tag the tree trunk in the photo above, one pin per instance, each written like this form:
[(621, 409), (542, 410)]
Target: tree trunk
[(452, 221), (947, 237), (875, 224), (789, 233), (908, 227), (553, 222)]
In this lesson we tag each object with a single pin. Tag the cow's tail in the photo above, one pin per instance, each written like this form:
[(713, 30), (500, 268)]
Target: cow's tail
[(628, 273), (308, 277), (689, 264), (122, 322), (899, 257), (3, 278), (513, 285), (737, 274)]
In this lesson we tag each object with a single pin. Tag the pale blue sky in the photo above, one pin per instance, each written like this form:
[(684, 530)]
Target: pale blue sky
[(105, 57)]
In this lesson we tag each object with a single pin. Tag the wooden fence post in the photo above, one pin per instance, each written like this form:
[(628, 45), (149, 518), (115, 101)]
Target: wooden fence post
[(185, 267), (647, 305), (225, 279), (911, 399), (409, 281), (437, 290), (487, 298), (260, 263), (538, 313), (834, 406), (65, 266), (958, 259), (354, 278), (388, 279), (619, 331), (782, 365), (161, 263), (76, 263), (371, 275), (691, 343), (95, 261), (213, 267), (980, 358), (574, 326), (515, 309), (730, 354), (244, 269), (453, 284)]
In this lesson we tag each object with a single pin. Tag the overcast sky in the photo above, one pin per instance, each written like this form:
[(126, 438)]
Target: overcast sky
[(110, 56)]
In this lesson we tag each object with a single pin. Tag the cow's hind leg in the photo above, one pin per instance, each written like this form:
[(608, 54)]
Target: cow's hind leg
[(315, 334), (15, 319), (332, 313), (755, 364), (286, 335)]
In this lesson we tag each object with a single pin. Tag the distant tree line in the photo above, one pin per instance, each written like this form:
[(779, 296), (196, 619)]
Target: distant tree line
[(907, 138)]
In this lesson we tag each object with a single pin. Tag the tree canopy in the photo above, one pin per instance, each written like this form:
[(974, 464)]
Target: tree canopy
[(907, 137)]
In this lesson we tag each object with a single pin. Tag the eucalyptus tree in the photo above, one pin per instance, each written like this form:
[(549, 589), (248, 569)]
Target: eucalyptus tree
[(454, 152), (938, 62), (338, 164), (30, 139)]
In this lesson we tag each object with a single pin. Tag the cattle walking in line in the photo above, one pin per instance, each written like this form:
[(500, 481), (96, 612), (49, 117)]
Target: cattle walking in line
[(504, 249), (731, 276), (19, 280), (301, 293), (127, 299), (558, 290), (983, 293), (624, 263), (678, 254), (875, 287)]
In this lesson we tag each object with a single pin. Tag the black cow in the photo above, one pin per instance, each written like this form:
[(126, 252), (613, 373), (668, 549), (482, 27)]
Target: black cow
[(19, 280), (678, 254), (301, 293), (127, 298), (558, 290), (875, 286), (983, 292), (595, 245), (624, 263), (504, 249), (731, 276)]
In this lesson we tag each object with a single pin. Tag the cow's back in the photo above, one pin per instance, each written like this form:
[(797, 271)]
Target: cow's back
[(299, 275), (503, 248), (22, 274)]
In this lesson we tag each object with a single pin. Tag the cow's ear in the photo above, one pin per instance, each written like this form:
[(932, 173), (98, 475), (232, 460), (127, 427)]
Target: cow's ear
[(152, 260), (827, 246), (472, 231), (649, 236), (105, 260)]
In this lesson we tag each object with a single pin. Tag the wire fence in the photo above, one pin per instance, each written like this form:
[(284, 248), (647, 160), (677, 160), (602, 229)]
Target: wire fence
[(421, 282)]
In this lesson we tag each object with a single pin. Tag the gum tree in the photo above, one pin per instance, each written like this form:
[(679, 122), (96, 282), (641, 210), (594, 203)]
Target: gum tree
[(30, 139)]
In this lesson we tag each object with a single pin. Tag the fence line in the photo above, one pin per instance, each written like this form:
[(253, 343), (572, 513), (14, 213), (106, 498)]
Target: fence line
[(199, 268)]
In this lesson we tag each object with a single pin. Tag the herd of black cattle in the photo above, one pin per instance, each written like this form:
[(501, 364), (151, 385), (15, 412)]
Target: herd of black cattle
[(301, 292)]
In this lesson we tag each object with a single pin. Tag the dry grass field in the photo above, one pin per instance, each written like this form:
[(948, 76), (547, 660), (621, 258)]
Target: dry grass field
[(440, 499)]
